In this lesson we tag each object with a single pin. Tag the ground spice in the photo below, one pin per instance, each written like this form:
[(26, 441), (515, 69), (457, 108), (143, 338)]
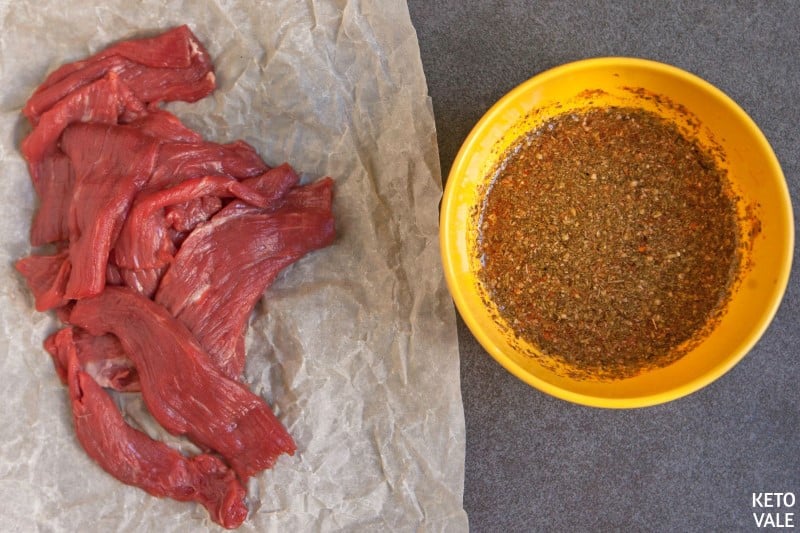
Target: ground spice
[(608, 239)]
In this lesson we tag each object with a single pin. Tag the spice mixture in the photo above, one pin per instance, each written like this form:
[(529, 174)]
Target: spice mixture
[(607, 239)]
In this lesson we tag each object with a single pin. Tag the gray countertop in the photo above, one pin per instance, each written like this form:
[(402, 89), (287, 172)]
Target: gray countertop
[(538, 463)]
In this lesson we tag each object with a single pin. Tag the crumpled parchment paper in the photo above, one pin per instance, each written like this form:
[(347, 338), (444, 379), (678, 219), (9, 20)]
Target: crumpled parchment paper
[(354, 346)]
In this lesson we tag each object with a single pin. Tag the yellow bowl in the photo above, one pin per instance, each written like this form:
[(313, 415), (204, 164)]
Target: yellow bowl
[(720, 125)]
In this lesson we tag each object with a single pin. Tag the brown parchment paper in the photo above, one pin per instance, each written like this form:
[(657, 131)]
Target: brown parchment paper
[(354, 346)]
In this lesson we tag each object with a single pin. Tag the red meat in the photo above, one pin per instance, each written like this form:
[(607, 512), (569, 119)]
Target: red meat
[(103, 101), (164, 126), (315, 197), (54, 187), (183, 218), (144, 241), (275, 183), (145, 281), (164, 244), (47, 277), (223, 268), (134, 458), (281, 181), (180, 384), (170, 66), (101, 357), (179, 161), (112, 163)]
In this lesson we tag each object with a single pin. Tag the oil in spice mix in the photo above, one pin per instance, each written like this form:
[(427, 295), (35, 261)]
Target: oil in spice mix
[(609, 241)]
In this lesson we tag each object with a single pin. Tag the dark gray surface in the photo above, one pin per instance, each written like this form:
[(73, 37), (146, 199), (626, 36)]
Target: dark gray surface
[(538, 463)]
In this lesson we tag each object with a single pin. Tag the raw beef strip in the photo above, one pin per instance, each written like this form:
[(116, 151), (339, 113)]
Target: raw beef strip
[(155, 85), (135, 459), (103, 101), (179, 161), (47, 277), (54, 188), (169, 49), (181, 387), (144, 241), (101, 357), (170, 66), (112, 163), (223, 268)]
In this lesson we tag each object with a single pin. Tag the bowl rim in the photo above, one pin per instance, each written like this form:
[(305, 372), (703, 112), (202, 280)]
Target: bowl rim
[(783, 269)]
